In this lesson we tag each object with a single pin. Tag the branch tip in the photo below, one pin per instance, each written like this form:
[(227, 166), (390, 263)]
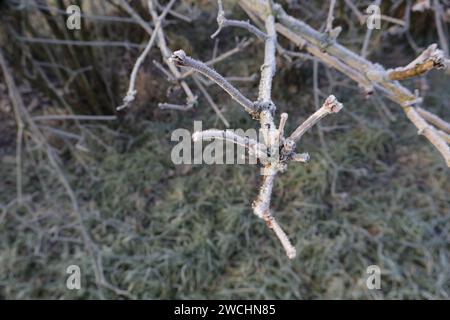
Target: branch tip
[(178, 57), (332, 104)]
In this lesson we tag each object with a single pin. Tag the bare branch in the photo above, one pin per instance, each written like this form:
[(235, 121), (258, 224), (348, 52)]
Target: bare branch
[(181, 59), (145, 25), (265, 104), (131, 93), (429, 132), (445, 136), (443, 39), (256, 148), (191, 99), (261, 208), (429, 59), (283, 119), (331, 105), (223, 22), (269, 67), (330, 17), (242, 45), (285, 242), (435, 120)]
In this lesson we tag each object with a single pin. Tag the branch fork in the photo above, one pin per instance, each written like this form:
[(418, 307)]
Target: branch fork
[(276, 151)]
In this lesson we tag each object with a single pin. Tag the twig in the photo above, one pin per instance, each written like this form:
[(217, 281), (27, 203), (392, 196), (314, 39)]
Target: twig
[(429, 59), (224, 22), (359, 15), (265, 104), (367, 37), (434, 119), (256, 148), (443, 40), (283, 119), (444, 136), (261, 207), (242, 45), (429, 132), (145, 25), (181, 59), (269, 67), (176, 14), (191, 99), (131, 93), (331, 105), (330, 17)]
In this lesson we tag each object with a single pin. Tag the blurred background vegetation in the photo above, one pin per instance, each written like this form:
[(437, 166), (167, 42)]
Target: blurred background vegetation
[(374, 191)]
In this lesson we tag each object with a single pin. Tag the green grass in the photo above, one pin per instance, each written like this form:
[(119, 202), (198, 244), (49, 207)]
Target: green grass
[(189, 232), (374, 193)]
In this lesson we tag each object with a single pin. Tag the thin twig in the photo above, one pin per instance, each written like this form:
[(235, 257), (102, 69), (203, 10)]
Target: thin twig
[(331, 105), (256, 148), (181, 59), (261, 208), (265, 103), (431, 58), (283, 119), (435, 120), (330, 17), (191, 99), (131, 93), (443, 39), (242, 45), (145, 25), (224, 22)]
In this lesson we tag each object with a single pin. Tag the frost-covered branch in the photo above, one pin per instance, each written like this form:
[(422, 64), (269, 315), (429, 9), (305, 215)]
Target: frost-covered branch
[(223, 22), (261, 208), (268, 150), (131, 93), (181, 59), (435, 120), (256, 148), (331, 105), (431, 58)]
